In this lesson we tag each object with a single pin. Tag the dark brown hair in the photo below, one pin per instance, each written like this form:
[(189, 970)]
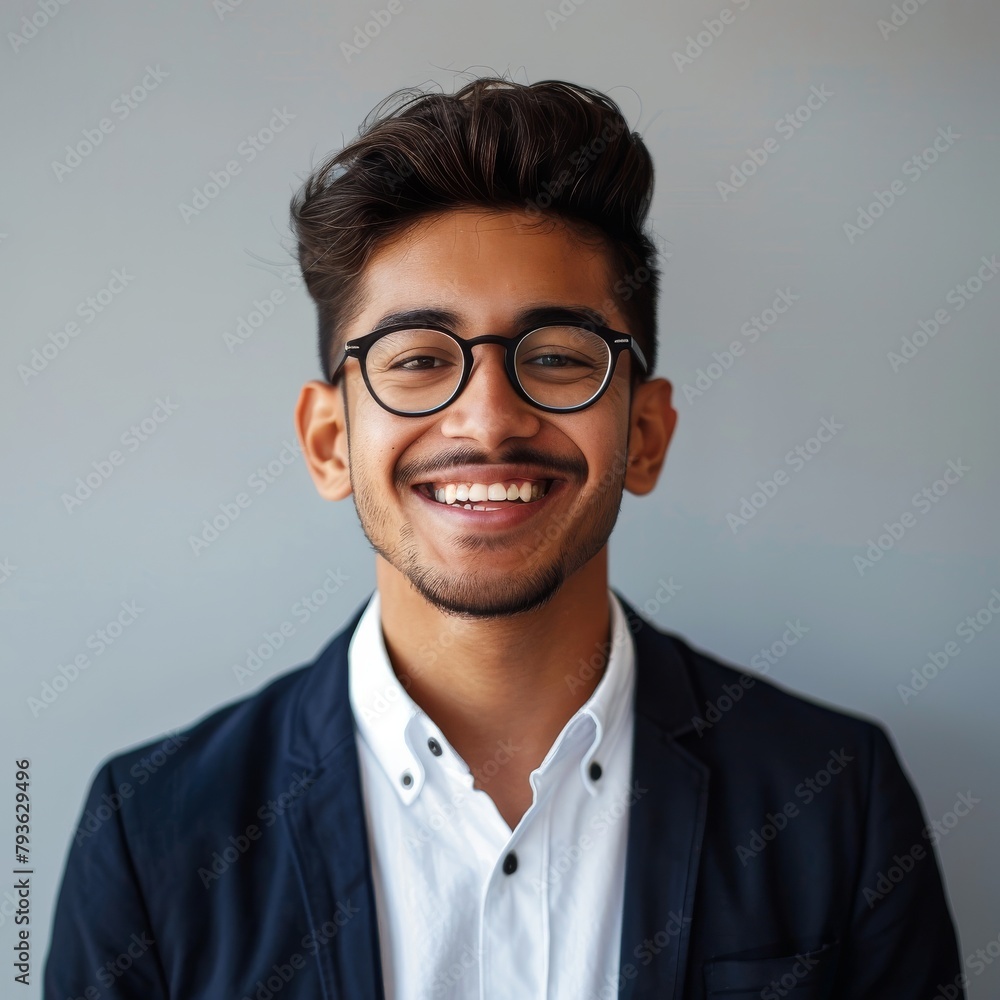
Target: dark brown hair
[(552, 149)]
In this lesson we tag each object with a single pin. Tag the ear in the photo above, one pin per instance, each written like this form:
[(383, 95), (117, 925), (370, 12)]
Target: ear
[(653, 419), (321, 425)]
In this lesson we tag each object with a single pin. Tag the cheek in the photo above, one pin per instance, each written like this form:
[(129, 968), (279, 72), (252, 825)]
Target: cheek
[(380, 443), (604, 441)]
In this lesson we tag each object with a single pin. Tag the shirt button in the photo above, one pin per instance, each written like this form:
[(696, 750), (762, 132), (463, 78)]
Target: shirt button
[(434, 747), (407, 779), (510, 864), (595, 770)]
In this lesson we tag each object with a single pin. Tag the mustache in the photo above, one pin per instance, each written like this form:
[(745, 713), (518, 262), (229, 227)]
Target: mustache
[(423, 471)]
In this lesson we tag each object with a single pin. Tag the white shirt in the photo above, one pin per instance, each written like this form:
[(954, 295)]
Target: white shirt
[(451, 922)]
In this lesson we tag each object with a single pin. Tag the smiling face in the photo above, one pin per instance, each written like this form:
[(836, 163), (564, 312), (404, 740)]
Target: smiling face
[(502, 557)]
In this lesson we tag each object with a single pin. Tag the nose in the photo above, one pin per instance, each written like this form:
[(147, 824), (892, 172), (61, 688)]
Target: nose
[(488, 409)]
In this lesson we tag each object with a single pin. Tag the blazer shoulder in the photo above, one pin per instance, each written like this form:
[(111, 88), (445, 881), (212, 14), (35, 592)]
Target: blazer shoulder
[(744, 702), (240, 753)]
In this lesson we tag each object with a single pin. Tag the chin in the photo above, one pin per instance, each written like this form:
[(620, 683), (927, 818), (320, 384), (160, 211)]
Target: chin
[(469, 597)]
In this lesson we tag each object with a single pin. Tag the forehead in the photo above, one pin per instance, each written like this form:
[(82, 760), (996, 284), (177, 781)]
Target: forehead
[(481, 259)]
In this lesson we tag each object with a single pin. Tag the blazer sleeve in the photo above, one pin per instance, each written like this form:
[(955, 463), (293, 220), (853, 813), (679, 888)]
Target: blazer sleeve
[(102, 945), (901, 941)]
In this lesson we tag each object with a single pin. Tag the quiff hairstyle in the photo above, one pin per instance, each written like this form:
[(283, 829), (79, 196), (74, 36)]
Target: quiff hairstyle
[(552, 149)]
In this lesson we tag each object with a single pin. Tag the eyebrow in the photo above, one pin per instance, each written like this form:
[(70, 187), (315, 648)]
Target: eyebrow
[(526, 318)]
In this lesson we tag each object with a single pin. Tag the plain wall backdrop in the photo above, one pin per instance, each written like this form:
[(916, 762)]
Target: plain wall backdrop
[(839, 158)]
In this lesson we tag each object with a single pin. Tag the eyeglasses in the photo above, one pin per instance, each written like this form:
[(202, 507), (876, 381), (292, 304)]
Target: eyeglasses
[(415, 370)]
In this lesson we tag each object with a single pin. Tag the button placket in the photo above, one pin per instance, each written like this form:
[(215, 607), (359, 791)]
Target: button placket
[(514, 963)]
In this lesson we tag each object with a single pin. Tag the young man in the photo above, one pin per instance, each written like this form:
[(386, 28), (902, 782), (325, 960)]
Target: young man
[(498, 780)]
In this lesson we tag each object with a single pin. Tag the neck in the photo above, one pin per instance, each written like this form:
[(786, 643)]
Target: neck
[(514, 681)]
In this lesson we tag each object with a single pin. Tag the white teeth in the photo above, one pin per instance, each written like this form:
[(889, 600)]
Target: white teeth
[(468, 494)]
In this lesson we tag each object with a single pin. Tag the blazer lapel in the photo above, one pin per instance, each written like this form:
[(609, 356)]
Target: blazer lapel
[(666, 822), (329, 834)]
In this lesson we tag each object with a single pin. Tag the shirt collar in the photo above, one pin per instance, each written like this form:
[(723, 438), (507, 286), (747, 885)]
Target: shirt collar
[(397, 730)]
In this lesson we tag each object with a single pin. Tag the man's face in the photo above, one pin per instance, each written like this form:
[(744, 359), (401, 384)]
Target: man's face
[(486, 267)]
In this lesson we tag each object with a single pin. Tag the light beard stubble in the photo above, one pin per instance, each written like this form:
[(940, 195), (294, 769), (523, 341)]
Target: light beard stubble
[(461, 595)]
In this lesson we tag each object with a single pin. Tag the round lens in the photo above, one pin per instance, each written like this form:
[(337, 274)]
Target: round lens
[(562, 366), (414, 370)]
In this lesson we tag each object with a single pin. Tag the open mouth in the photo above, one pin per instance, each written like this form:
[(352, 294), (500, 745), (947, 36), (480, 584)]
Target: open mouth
[(486, 496)]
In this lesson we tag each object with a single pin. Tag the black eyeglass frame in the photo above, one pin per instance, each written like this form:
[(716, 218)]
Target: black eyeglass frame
[(616, 340)]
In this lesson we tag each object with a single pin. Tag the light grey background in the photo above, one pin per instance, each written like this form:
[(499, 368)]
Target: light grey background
[(192, 280)]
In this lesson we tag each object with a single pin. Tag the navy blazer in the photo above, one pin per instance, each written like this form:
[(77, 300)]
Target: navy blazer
[(775, 849)]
